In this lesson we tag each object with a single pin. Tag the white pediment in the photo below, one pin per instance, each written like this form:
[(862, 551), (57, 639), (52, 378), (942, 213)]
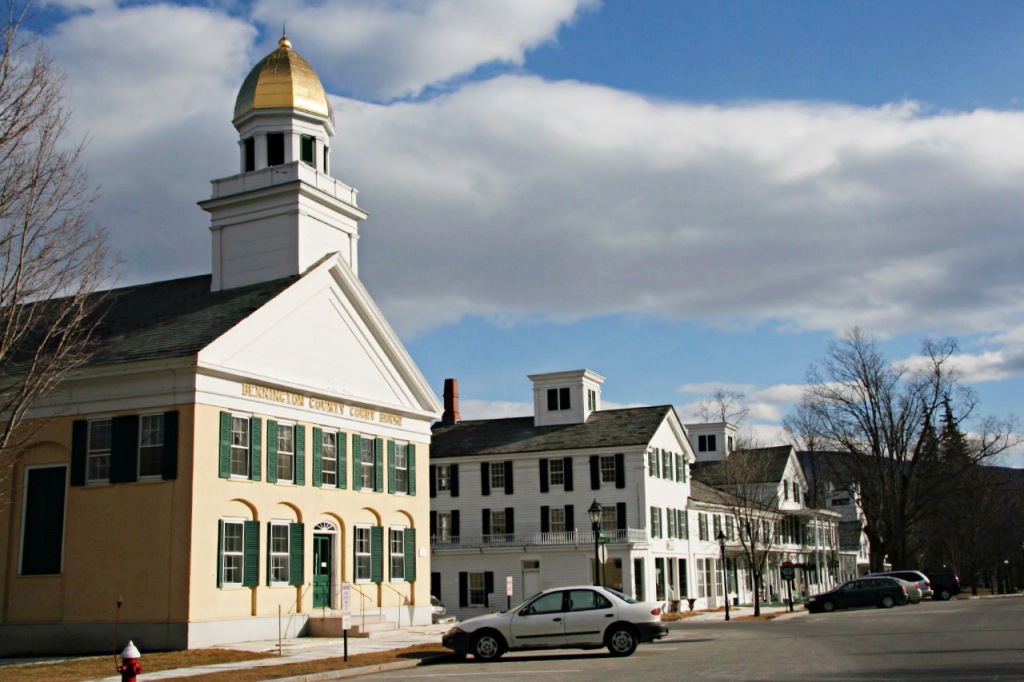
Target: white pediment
[(324, 335)]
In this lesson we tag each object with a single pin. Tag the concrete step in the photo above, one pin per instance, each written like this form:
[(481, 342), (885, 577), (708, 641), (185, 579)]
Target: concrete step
[(360, 626)]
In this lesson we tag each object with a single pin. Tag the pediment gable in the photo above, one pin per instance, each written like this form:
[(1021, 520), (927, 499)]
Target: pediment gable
[(324, 335)]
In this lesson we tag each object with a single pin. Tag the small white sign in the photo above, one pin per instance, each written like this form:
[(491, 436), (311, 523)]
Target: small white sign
[(508, 586), (346, 606)]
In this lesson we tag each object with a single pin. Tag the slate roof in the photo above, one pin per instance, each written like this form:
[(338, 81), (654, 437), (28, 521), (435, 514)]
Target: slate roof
[(775, 462), (173, 318), (634, 426)]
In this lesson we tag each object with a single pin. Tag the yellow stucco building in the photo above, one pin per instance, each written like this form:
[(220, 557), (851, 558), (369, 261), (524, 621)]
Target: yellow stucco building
[(239, 445)]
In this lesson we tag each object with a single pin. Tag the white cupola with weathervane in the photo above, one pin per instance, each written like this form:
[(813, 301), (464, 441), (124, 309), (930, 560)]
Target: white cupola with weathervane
[(283, 212)]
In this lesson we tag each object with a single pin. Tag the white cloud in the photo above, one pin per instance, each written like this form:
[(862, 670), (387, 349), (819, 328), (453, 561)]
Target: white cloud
[(519, 199), (385, 50)]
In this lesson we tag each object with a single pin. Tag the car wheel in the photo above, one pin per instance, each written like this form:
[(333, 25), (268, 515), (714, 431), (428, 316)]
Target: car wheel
[(888, 602), (828, 606), (945, 595), (621, 640), (487, 646)]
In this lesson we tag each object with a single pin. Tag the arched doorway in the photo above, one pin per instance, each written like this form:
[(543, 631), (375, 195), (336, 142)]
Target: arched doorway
[(325, 564)]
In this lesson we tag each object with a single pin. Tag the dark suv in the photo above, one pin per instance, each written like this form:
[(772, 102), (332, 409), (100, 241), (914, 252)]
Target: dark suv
[(945, 585)]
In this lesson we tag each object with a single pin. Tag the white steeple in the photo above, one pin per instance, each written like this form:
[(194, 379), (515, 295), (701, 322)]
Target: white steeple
[(283, 212)]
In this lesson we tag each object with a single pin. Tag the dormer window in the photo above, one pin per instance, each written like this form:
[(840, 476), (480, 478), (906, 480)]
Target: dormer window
[(558, 399), (275, 149), (591, 400), (707, 443)]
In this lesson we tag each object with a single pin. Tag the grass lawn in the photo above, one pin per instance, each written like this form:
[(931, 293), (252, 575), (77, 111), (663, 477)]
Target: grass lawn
[(97, 667)]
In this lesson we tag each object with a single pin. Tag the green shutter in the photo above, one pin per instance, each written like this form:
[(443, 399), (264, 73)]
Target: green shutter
[(79, 446), (169, 456), (391, 466), (377, 554), (411, 459), (296, 554), (272, 451), (318, 454), (378, 465), (270, 544), (255, 461), (251, 553), (357, 480), (300, 454), (410, 554), (225, 445), (342, 460), (220, 553)]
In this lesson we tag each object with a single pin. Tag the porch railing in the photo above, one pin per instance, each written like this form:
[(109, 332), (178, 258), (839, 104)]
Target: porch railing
[(564, 538)]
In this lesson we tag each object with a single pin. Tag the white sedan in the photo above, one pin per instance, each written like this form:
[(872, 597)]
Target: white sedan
[(581, 617)]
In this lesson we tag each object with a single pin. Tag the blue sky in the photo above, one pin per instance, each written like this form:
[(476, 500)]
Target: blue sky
[(678, 196)]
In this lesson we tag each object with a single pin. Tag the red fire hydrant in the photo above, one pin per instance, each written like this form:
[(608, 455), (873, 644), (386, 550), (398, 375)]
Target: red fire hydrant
[(130, 666)]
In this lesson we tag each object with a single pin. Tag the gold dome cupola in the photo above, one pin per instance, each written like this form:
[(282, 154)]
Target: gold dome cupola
[(283, 79)]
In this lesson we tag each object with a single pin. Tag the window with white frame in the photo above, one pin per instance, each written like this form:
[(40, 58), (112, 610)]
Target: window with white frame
[(497, 475), (444, 525), (401, 468), (702, 525), (232, 552), (98, 455), (363, 563), (329, 459), (444, 477), (608, 468), (707, 443), (652, 462), (151, 445), (556, 471), (279, 555), (666, 465), (702, 577), (477, 590), (609, 519), (557, 518), (240, 446), (655, 522), (591, 399), (285, 452), (499, 522), (397, 546), (367, 463)]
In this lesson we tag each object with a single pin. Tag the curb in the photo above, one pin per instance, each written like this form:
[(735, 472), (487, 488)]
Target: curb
[(363, 670)]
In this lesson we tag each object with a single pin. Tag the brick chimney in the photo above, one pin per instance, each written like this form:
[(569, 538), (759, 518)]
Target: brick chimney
[(451, 402)]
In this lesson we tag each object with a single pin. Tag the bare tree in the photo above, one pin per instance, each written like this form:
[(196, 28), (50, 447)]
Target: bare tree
[(746, 483), (882, 417), (722, 406), (52, 258)]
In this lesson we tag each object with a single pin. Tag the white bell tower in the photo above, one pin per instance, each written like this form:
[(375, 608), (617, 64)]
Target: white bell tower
[(283, 212)]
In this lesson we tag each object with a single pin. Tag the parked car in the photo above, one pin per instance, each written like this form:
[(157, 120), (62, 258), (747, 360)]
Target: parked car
[(581, 617), (880, 591), (945, 585), (911, 576), (914, 593), (438, 613)]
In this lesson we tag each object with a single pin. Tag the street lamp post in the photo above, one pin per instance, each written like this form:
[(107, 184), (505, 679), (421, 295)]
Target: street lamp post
[(725, 573), (595, 523)]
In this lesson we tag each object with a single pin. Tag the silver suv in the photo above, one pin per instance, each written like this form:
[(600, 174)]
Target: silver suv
[(923, 583)]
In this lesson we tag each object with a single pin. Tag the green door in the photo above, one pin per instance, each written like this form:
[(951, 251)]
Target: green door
[(322, 570)]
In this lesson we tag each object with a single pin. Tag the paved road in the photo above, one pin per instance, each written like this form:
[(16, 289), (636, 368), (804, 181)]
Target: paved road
[(957, 640)]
